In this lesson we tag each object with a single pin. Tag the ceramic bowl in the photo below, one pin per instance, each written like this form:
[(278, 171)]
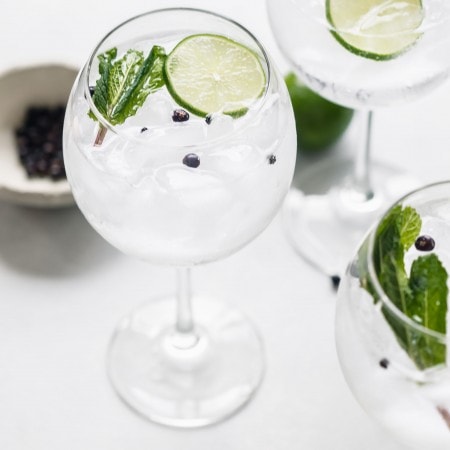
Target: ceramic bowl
[(20, 88)]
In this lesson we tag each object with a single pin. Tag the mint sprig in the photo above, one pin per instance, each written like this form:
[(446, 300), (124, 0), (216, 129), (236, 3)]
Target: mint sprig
[(125, 83), (421, 295)]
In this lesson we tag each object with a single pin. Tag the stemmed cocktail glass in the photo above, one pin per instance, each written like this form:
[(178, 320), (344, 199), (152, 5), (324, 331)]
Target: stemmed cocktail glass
[(392, 320), (180, 147), (364, 54)]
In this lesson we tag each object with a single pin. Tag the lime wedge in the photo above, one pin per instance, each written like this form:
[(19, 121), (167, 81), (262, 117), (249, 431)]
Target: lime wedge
[(207, 73), (375, 29)]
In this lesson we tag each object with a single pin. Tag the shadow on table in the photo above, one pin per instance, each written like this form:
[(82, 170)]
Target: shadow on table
[(50, 243)]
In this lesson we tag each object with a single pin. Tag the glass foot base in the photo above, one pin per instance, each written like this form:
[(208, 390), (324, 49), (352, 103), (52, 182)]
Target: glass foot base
[(323, 219), (173, 379)]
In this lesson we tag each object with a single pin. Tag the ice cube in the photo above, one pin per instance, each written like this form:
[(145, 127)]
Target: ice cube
[(117, 164), (111, 158), (219, 125), (265, 128), (156, 111), (198, 198), (233, 161), (177, 178), (182, 134)]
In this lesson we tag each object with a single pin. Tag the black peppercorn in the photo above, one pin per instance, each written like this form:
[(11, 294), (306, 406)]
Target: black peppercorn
[(384, 363), (180, 115), (191, 160), (335, 281), (425, 243)]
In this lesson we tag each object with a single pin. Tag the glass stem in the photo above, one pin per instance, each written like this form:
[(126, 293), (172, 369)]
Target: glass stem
[(185, 323), (185, 336), (361, 175)]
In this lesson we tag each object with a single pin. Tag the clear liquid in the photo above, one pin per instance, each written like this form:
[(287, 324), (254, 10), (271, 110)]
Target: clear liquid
[(137, 193), (304, 36)]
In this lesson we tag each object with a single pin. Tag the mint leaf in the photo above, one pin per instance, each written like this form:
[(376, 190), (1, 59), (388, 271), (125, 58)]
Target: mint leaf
[(394, 280), (428, 282), (387, 251), (100, 96), (148, 79), (389, 256), (124, 84), (422, 296), (410, 224), (122, 75), (101, 91), (387, 239)]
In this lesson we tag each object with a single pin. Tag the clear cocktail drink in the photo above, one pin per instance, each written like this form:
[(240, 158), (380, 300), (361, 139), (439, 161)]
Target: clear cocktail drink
[(180, 146)]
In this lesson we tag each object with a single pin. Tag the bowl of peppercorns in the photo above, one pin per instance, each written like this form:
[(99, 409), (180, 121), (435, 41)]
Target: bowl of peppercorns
[(32, 107)]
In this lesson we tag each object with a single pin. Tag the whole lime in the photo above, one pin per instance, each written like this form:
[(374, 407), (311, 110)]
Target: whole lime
[(319, 122)]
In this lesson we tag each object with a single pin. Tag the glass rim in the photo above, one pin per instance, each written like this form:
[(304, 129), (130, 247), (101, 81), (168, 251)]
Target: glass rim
[(128, 137), (384, 298), (428, 21)]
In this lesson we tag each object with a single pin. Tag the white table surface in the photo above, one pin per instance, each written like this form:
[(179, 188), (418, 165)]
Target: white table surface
[(63, 289)]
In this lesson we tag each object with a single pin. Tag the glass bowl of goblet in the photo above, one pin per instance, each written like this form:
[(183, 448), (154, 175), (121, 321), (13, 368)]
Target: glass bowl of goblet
[(198, 168), (391, 320)]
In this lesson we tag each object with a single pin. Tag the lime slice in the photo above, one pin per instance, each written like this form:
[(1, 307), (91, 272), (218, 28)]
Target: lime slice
[(375, 29), (207, 73)]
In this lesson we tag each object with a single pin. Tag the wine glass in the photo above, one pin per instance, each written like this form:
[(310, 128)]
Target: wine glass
[(181, 186), (391, 320), (363, 54)]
